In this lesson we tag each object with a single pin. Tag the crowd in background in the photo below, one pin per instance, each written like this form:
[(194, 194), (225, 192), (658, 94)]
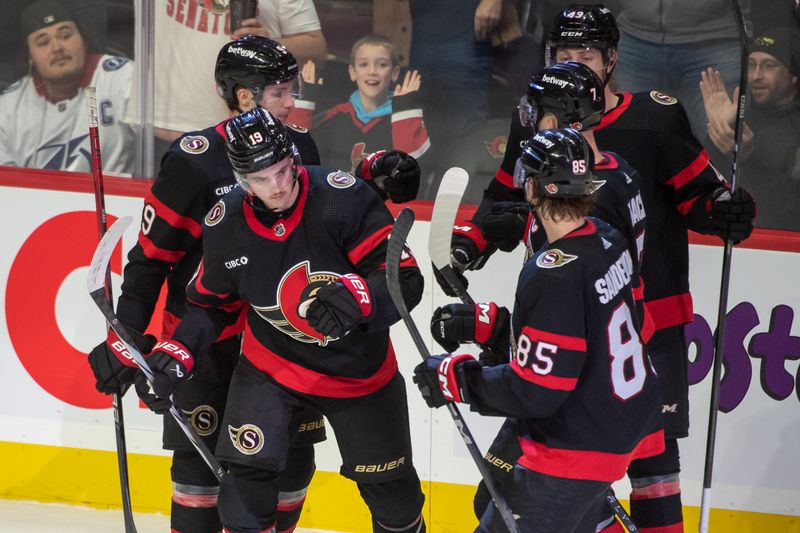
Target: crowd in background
[(459, 65)]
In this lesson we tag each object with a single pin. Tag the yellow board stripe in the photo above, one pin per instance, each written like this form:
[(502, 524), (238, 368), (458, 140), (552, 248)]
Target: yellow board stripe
[(89, 478)]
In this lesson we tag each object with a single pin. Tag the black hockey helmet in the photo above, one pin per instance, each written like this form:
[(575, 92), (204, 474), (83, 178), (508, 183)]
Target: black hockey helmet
[(571, 91), (256, 140), (560, 161), (583, 26), (252, 62)]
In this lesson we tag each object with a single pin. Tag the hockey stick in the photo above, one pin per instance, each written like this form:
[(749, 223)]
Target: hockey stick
[(445, 209), (394, 252), (116, 398), (722, 310), (95, 283)]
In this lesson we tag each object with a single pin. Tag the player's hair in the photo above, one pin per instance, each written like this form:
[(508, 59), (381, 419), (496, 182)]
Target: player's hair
[(557, 209), (376, 39)]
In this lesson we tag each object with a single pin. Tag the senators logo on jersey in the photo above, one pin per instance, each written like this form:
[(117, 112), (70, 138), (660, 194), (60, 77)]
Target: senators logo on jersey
[(203, 419), (248, 439), (297, 286), (554, 258)]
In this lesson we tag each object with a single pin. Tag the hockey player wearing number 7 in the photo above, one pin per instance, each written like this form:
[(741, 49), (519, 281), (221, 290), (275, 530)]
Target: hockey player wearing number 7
[(579, 384), (301, 250)]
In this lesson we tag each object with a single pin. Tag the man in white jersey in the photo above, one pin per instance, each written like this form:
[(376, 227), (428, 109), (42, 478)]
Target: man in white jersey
[(43, 117)]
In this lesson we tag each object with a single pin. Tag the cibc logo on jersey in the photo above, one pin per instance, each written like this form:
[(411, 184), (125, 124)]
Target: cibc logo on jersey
[(297, 287)]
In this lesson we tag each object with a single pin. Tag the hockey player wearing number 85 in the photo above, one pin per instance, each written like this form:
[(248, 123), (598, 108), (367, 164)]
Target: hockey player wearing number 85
[(581, 420), (316, 336)]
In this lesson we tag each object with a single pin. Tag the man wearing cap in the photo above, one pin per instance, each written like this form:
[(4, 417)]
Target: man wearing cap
[(771, 134), (43, 117)]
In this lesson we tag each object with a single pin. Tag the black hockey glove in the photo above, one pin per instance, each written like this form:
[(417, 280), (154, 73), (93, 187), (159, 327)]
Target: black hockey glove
[(148, 395), (505, 224), (732, 215), (339, 307), (485, 324), (171, 363), (441, 378), (468, 251), (112, 365), (393, 173)]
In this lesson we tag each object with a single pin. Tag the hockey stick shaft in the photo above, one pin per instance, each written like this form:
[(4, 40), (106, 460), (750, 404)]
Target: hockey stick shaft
[(96, 286), (445, 209), (722, 310), (102, 224), (400, 232)]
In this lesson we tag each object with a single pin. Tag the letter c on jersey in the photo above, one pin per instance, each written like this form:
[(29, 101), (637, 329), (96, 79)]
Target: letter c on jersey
[(55, 249)]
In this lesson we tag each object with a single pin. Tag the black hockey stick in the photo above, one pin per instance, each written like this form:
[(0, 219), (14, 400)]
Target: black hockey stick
[(95, 283), (445, 209), (722, 310), (116, 398), (394, 252)]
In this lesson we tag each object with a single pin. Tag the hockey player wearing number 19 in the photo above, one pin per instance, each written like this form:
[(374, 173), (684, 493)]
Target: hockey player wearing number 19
[(302, 251), (581, 420)]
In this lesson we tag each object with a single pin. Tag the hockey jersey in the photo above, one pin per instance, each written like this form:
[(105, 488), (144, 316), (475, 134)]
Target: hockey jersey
[(36, 132), (580, 382), (651, 132), (273, 265), (195, 173)]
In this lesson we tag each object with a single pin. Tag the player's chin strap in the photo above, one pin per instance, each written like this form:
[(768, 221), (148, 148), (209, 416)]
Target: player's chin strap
[(705, 506)]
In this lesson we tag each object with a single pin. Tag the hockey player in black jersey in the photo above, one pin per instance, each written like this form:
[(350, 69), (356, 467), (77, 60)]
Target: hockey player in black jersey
[(195, 173), (579, 385), (301, 251), (560, 95), (681, 190)]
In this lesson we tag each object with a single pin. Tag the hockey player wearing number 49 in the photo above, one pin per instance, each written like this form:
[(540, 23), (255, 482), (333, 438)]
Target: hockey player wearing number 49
[(195, 173), (580, 384), (302, 251), (681, 190)]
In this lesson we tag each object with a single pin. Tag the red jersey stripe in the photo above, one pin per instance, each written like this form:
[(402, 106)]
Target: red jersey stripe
[(159, 254), (504, 178), (307, 381), (368, 244), (615, 113), (671, 311), (567, 342), (586, 464), (172, 218), (690, 172)]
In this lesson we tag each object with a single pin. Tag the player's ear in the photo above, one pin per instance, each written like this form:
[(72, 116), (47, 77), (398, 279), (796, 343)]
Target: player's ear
[(352, 70), (612, 60), (244, 99)]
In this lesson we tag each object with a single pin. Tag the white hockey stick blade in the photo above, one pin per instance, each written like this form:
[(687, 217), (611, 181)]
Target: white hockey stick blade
[(448, 199), (102, 255)]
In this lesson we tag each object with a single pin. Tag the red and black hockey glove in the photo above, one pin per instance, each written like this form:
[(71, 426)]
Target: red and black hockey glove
[(171, 363), (339, 307), (468, 251), (146, 393), (113, 365), (485, 324), (393, 173), (505, 224), (732, 215), (441, 378)]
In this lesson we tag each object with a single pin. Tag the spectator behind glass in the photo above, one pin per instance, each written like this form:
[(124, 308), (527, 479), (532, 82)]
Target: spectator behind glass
[(663, 45), (770, 157), (374, 117), (43, 120), (188, 35), (90, 15)]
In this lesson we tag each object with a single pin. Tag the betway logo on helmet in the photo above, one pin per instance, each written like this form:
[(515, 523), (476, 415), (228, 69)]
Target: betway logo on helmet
[(239, 51), (553, 80), (543, 140)]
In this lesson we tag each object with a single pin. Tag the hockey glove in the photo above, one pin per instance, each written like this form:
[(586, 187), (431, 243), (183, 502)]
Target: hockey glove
[(484, 323), (505, 224), (171, 363), (113, 365), (148, 395), (340, 306), (394, 173), (441, 378), (732, 214)]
